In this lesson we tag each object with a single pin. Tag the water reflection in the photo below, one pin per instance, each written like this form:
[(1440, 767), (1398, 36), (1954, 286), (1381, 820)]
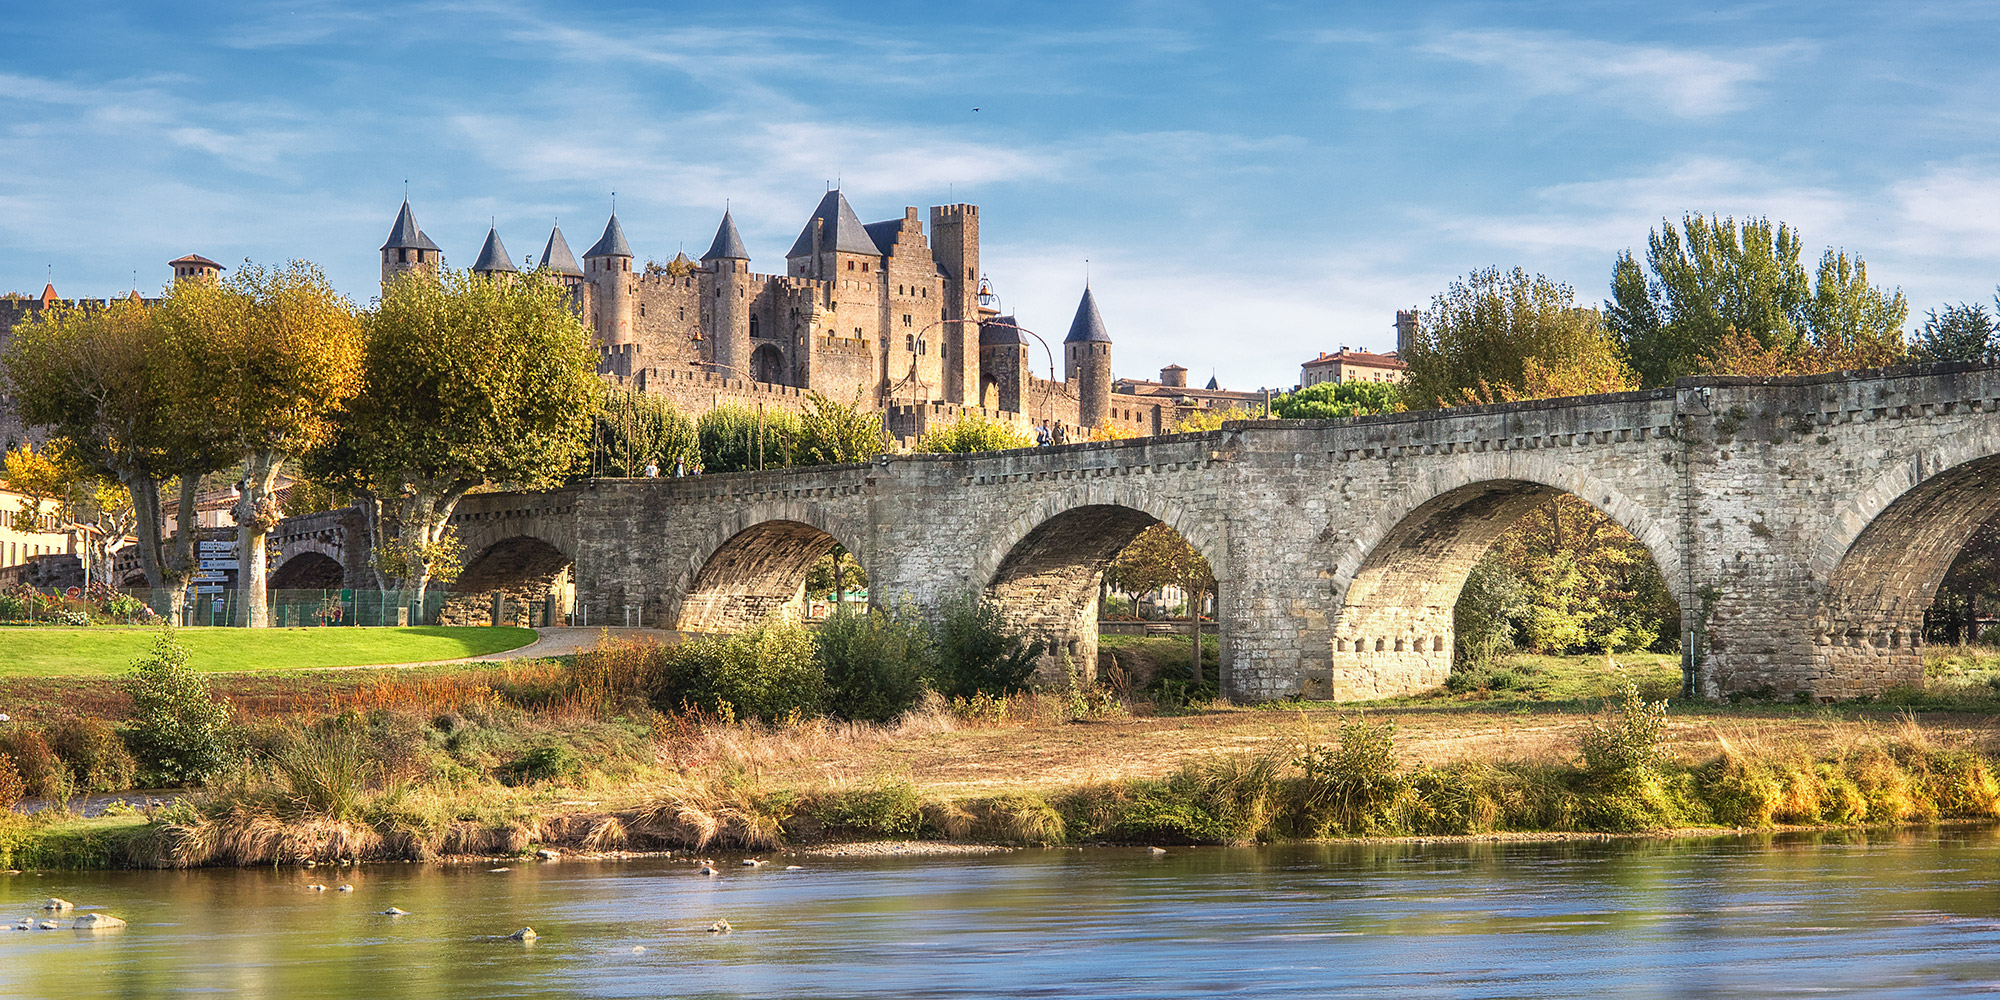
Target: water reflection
[(1849, 914)]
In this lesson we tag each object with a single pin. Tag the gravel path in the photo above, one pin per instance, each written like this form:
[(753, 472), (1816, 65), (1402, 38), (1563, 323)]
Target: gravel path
[(559, 641)]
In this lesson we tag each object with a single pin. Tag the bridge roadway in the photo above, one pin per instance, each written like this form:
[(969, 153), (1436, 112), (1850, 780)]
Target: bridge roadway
[(1803, 525)]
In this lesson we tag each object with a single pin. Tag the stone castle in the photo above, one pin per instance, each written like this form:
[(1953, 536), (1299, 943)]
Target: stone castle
[(887, 313)]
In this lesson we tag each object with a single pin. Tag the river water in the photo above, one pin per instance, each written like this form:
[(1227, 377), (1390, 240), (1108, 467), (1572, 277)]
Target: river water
[(1910, 914)]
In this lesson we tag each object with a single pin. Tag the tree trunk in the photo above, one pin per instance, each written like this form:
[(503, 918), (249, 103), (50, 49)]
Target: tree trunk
[(256, 514), (146, 510), (179, 556)]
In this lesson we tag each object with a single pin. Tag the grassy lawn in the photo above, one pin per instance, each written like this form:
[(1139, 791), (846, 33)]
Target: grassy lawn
[(41, 651)]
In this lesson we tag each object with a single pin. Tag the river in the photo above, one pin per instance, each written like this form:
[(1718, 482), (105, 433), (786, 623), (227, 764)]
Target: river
[(1905, 914)]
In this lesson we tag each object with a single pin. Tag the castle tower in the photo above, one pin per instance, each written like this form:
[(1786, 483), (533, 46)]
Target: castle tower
[(493, 257), (559, 261), (607, 265), (407, 248), (834, 244), (955, 247), (1406, 331), (194, 267), (1087, 362), (729, 323)]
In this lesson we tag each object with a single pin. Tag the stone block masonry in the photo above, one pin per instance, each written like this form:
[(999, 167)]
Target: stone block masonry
[(1803, 525)]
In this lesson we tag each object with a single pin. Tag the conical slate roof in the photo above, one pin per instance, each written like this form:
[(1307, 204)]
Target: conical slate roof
[(1088, 326), (728, 243), (557, 258), (1213, 384), (493, 256), (405, 235), (612, 243), (840, 229)]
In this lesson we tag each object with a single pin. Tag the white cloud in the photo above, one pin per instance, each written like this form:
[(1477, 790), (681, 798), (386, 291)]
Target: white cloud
[(1645, 79), (1951, 211)]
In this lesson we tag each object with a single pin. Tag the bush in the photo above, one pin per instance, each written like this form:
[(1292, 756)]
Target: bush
[(1356, 775), (874, 663), (768, 673), (1627, 741), (974, 432), (41, 772), (71, 618), (551, 762), (11, 785), (180, 731), (976, 653), (94, 753), (325, 765)]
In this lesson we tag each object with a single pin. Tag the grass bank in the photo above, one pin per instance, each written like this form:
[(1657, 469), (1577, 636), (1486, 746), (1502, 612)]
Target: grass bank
[(493, 760), (39, 651)]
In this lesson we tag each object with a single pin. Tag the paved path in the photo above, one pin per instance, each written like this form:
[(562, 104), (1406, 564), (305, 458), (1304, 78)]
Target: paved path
[(559, 641)]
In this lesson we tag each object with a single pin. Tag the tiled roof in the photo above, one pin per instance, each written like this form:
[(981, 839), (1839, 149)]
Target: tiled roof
[(195, 259), (493, 256), (840, 229), (1361, 358), (1088, 325), (612, 243), (557, 258), (405, 234), (728, 243)]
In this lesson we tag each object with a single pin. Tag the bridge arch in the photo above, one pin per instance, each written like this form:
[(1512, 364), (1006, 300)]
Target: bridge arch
[(526, 569), (1883, 557), (1043, 568), (754, 566), (313, 568), (1398, 581)]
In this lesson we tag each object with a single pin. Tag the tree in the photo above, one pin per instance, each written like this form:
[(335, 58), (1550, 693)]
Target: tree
[(1496, 336), (737, 439), (1708, 277), (1333, 400), (105, 381), (267, 360), (1958, 332), (1160, 557), (1566, 579), (1210, 419), (635, 428), (835, 433), (98, 504), (973, 432), (470, 381)]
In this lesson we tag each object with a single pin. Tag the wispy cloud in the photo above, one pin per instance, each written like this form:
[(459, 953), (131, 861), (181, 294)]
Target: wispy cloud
[(1689, 83)]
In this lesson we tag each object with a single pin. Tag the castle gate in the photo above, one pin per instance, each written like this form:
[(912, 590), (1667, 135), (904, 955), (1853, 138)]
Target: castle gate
[(1802, 524)]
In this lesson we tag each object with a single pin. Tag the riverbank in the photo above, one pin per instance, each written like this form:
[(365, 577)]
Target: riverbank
[(497, 762)]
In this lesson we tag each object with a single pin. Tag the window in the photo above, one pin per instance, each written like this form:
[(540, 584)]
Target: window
[(753, 329), (642, 310), (683, 312), (402, 256), (864, 267), (920, 346), (910, 342), (850, 265), (906, 319)]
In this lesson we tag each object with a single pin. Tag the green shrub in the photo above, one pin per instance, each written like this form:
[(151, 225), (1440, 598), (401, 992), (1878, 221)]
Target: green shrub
[(1629, 740), (94, 753), (892, 809), (769, 673), (1356, 775), (180, 731), (874, 662), (976, 653), (549, 762)]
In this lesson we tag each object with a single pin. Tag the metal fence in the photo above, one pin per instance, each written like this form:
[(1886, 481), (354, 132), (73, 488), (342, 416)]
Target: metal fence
[(289, 608)]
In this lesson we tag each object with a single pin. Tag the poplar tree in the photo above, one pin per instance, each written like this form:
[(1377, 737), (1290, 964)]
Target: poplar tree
[(1498, 336)]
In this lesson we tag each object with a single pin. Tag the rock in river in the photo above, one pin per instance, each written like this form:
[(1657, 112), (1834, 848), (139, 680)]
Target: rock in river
[(97, 922)]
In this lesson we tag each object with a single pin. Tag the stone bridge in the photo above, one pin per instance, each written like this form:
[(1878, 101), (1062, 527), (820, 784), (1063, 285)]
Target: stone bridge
[(1803, 525)]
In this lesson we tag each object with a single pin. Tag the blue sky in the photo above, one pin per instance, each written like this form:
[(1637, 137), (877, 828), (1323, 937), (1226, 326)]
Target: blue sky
[(1251, 183)]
